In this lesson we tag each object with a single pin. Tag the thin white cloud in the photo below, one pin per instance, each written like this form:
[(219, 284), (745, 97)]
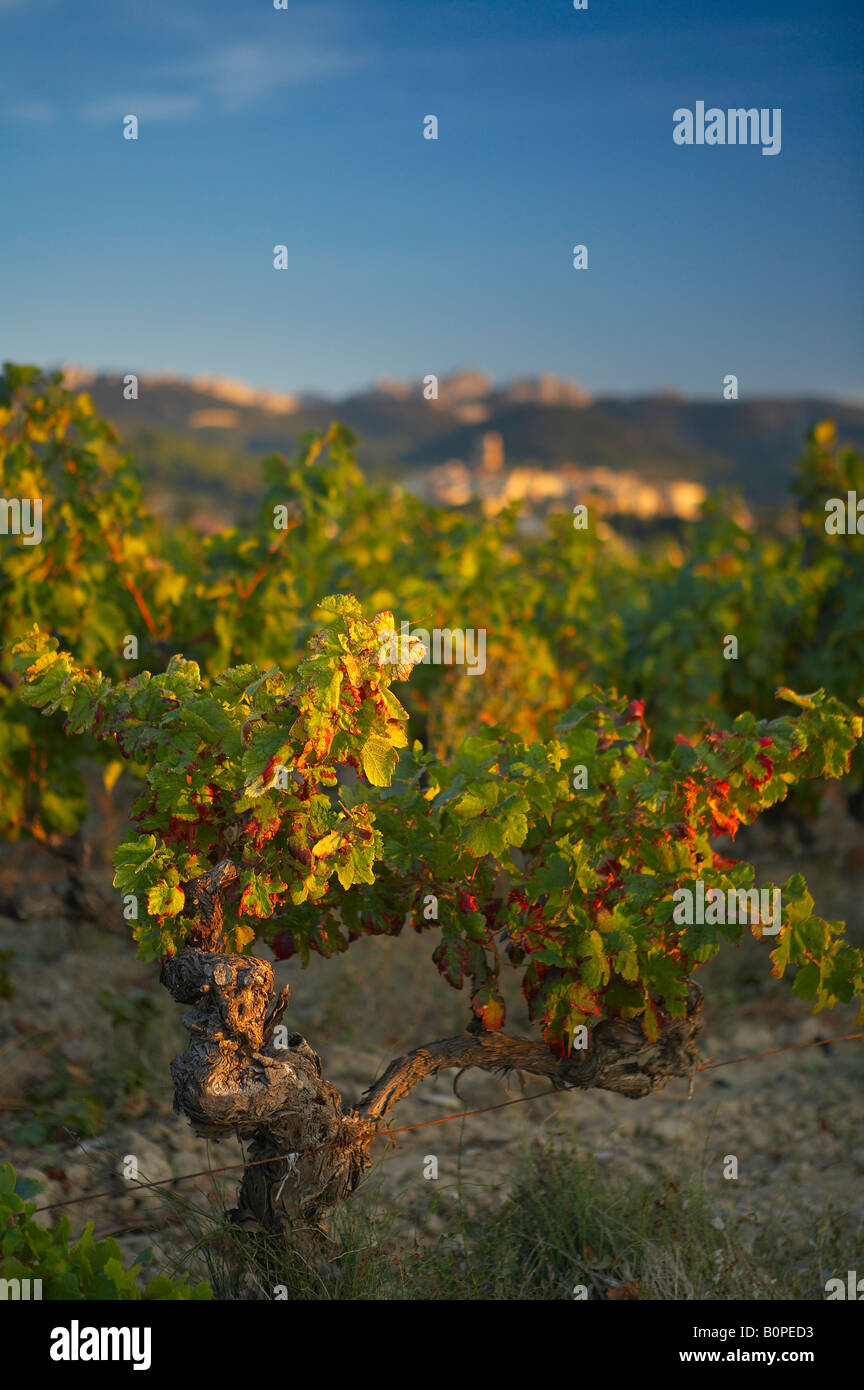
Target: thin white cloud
[(237, 75), (147, 106), (226, 63)]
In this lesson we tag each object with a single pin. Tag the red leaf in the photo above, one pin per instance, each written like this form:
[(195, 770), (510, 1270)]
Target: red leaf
[(488, 1006), (452, 958)]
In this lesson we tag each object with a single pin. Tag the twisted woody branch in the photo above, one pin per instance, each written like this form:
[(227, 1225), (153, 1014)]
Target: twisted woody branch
[(307, 1150)]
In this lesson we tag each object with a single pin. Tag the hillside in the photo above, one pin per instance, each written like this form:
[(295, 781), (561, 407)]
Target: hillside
[(205, 436)]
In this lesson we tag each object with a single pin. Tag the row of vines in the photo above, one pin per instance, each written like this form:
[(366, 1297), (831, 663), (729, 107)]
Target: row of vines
[(541, 816), (231, 691)]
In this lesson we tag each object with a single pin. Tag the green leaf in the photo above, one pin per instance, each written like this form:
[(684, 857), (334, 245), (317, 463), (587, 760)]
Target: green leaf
[(806, 982), (379, 759), (482, 837), (165, 899)]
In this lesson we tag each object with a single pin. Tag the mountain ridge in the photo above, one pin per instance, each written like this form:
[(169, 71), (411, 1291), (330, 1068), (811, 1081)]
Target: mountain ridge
[(543, 422)]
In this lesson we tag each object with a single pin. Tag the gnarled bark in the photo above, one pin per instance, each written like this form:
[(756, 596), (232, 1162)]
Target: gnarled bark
[(204, 902), (620, 1058), (234, 1079), (307, 1151)]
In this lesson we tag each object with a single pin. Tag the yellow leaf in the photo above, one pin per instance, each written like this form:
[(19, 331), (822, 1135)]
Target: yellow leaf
[(111, 773), (825, 434), (328, 844)]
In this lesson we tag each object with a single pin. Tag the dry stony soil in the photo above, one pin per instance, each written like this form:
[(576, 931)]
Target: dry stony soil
[(82, 1020)]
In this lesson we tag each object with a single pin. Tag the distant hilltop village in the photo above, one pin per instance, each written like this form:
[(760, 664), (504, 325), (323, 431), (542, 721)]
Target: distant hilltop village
[(487, 481)]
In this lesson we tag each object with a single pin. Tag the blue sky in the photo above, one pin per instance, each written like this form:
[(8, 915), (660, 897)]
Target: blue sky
[(409, 256)]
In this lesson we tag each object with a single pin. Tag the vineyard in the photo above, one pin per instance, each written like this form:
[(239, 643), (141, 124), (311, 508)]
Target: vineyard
[(293, 762)]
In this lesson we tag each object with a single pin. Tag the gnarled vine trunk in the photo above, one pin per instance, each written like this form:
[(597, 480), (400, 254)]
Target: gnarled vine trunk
[(234, 1079), (306, 1150)]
